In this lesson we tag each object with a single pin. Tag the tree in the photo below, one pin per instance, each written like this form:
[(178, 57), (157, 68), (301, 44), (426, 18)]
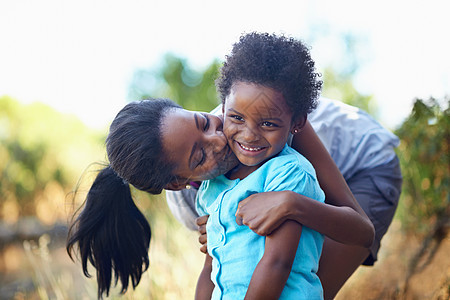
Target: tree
[(194, 90), (340, 86), (424, 155), (425, 160), (41, 151)]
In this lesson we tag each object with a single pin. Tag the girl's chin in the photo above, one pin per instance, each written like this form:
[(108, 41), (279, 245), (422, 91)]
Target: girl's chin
[(250, 162)]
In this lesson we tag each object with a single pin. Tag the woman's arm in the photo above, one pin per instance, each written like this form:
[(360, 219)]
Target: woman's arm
[(264, 212), (204, 285), (272, 271), (345, 221)]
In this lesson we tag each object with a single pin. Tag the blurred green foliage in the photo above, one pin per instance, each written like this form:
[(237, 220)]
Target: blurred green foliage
[(425, 159), (175, 79), (38, 146), (353, 51), (340, 86)]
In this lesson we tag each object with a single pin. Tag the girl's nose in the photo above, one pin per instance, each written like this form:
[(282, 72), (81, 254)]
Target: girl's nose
[(249, 135)]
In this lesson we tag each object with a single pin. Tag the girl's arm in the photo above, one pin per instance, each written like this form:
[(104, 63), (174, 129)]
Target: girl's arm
[(345, 222), (272, 271), (204, 285)]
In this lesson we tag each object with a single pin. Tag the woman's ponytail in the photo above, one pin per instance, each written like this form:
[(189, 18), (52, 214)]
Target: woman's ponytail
[(111, 233)]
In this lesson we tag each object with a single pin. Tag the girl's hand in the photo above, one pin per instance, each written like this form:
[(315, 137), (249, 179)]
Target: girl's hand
[(264, 212), (201, 223)]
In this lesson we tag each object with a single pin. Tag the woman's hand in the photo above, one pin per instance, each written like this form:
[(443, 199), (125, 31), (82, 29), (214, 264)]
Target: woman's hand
[(201, 223), (264, 212)]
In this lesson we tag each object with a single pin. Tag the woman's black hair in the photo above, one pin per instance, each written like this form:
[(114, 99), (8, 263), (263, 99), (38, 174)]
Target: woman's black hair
[(278, 62), (134, 145), (110, 232)]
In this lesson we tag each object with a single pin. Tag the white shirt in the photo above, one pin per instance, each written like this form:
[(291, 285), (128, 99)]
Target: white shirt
[(353, 138)]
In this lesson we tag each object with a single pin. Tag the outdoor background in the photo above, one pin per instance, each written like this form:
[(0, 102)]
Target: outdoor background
[(67, 67)]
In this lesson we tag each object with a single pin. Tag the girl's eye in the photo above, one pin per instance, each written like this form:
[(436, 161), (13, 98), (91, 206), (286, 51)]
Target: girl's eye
[(268, 124), (236, 117)]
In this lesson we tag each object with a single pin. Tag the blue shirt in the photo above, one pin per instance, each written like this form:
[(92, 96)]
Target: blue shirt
[(236, 250)]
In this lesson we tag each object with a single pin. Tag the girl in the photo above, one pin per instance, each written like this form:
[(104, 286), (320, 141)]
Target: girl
[(260, 111)]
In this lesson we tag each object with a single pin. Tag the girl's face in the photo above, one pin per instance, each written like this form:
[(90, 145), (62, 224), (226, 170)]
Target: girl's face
[(196, 143), (257, 122)]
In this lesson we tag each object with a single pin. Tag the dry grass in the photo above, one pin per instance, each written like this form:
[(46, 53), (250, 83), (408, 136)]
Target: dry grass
[(42, 270), (387, 279)]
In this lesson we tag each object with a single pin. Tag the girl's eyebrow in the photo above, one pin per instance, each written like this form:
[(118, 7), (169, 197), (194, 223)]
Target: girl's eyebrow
[(272, 119), (235, 111)]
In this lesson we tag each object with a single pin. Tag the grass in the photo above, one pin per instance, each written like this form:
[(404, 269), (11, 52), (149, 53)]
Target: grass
[(44, 270)]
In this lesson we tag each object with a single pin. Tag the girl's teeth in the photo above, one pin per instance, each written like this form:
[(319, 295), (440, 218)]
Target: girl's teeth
[(249, 148)]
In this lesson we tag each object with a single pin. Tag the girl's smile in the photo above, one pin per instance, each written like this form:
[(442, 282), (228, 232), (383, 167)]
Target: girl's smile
[(251, 149)]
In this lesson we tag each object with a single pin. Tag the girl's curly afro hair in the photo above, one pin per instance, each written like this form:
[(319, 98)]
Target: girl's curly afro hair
[(281, 63)]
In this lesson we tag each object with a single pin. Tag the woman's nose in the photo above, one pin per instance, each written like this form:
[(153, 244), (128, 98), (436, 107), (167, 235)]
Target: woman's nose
[(215, 135), (217, 141), (218, 123)]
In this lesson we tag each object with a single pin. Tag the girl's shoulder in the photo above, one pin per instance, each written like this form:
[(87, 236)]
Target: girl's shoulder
[(289, 160)]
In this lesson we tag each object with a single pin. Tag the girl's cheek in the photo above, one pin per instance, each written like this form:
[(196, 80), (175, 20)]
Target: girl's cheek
[(230, 129)]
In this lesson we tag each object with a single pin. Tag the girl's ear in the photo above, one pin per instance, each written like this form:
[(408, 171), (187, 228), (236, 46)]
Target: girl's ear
[(298, 124)]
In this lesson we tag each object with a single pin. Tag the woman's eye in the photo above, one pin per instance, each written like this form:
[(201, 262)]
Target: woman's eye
[(203, 158), (206, 127)]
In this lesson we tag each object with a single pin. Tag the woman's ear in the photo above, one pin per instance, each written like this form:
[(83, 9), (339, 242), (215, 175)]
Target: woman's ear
[(176, 186), (298, 124)]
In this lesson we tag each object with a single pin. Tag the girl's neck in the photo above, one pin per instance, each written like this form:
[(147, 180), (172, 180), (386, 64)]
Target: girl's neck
[(241, 171)]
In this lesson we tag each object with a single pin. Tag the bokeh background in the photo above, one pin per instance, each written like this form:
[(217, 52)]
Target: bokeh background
[(67, 67)]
